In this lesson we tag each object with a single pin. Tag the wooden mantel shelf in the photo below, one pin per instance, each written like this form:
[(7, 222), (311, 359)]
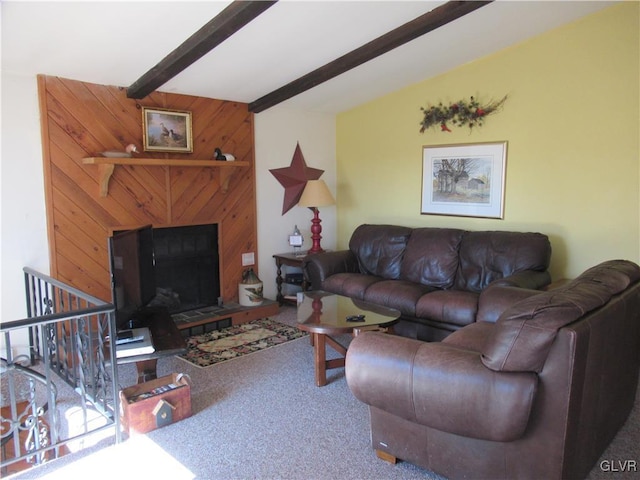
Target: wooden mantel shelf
[(106, 166)]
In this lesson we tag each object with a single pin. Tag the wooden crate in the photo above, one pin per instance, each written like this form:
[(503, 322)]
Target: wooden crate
[(145, 407)]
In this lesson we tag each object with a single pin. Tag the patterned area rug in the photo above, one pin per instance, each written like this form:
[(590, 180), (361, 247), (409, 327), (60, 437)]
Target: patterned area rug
[(233, 342)]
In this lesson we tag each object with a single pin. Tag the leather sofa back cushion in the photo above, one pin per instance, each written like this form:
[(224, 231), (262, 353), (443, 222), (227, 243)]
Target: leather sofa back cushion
[(431, 257), (379, 249), (524, 333), (489, 256)]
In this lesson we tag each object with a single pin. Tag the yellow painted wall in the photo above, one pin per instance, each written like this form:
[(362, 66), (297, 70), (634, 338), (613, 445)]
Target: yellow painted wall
[(572, 123)]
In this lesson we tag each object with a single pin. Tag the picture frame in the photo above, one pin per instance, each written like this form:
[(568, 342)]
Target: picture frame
[(166, 130), (296, 240), (464, 180)]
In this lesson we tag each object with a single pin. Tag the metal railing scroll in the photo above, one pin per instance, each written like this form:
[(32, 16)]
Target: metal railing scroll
[(65, 336)]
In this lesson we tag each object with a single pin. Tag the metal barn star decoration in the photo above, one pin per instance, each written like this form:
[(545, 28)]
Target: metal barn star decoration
[(294, 178)]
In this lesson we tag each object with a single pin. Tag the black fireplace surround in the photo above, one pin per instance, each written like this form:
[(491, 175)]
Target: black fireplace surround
[(187, 267)]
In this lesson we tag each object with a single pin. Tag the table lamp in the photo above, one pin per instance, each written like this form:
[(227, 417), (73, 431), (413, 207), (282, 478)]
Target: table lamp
[(316, 194)]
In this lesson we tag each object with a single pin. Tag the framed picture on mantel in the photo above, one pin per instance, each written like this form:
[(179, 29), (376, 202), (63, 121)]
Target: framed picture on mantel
[(167, 130), (465, 180)]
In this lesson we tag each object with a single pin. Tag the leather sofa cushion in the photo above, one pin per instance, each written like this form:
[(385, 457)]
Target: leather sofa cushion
[(379, 249), (396, 294), (349, 284), (489, 256), (524, 332), (449, 306), (431, 256), (453, 392)]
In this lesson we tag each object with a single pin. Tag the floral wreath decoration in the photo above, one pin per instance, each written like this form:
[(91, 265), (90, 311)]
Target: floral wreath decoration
[(461, 113)]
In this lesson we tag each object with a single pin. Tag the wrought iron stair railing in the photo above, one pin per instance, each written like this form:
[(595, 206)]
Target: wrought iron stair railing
[(64, 336)]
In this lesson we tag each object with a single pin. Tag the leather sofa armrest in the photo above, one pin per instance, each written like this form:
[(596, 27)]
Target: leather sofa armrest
[(319, 266), (439, 386)]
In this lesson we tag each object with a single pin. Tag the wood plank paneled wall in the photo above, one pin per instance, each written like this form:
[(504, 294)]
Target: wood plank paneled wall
[(81, 120)]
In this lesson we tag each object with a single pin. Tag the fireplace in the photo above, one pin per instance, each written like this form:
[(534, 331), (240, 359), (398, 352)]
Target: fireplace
[(187, 267)]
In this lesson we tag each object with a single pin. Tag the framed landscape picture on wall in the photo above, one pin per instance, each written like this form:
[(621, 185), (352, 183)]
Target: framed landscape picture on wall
[(464, 180), (167, 130)]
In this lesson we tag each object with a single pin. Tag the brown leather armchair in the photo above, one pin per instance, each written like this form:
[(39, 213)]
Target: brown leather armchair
[(540, 393)]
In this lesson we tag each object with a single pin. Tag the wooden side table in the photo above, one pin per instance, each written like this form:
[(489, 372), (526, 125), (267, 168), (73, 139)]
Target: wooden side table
[(167, 341), (291, 260)]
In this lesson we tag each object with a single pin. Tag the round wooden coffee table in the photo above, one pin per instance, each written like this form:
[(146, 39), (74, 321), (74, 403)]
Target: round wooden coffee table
[(323, 314)]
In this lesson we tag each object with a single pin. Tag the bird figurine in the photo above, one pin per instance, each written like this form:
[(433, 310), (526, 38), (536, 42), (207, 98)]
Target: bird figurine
[(218, 155), (129, 149)]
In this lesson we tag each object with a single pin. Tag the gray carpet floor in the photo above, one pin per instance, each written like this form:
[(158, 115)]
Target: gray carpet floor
[(262, 417)]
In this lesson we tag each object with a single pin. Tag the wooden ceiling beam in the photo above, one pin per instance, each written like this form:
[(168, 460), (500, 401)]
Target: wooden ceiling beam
[(216, 31), (437, 17)]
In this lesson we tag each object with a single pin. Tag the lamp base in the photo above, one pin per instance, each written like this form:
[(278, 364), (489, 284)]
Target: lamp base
[(316, 230)]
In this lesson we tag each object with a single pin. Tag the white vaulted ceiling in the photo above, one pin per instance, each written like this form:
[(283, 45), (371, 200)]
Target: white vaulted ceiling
[(116, 42)]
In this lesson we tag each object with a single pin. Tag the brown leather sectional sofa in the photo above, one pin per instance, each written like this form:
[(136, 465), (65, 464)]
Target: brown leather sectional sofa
[(437, 277), (539, 393)]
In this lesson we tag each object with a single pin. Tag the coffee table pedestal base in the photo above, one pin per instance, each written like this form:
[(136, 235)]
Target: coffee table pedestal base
[(323, 314), (320, 342), (147, 370)]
